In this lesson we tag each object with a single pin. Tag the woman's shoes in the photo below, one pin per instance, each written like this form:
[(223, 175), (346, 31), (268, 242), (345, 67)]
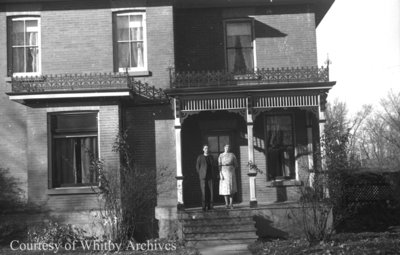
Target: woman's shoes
[(229, 206)]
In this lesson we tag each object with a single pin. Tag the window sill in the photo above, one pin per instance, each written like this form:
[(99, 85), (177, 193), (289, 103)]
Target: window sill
[(7, 79), (284, 183), (138, 73), (72, 190)]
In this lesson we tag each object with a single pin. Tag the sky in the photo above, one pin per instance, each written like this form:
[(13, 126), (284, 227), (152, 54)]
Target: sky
[(362, 40)]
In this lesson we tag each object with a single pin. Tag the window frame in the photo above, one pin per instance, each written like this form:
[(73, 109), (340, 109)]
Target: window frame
[(293, 131), (142, 13), (51, 145), (10, 46), (239, 20)]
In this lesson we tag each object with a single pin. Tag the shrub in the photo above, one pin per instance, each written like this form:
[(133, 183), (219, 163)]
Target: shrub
[(10, 192), (53, 232)]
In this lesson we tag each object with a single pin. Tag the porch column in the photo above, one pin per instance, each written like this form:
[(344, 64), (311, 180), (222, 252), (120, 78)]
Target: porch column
[(178, 151), (250, 146), (321, 121), (310, 149)]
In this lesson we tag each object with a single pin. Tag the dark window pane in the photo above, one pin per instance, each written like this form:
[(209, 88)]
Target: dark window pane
[(212, 143), (76, 122), (123, 55), (223, 140), (18, 60), (17, 33), (122, 28), (64, 162), (281, 161)]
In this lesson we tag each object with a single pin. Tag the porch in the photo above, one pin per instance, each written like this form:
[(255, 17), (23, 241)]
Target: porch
[(248, 113)]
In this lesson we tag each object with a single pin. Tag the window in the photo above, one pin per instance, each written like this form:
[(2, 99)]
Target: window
[(239, 46), (216, 143), (24, 45), (73, 146), (280, 147), (130, 41)]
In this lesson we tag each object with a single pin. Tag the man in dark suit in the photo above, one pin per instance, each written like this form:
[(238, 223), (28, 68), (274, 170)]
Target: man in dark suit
[(205, 169)]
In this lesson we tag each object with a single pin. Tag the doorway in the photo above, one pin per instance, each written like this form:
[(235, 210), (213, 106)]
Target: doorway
[(216, 140)]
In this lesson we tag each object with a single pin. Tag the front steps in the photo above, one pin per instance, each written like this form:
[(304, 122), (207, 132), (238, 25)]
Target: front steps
[(218, 226)]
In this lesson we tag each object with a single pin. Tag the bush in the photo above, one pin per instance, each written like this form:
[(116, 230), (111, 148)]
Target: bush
[(10, 192), (53, 232)]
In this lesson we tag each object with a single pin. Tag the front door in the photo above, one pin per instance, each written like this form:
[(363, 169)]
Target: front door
[(216, 141)]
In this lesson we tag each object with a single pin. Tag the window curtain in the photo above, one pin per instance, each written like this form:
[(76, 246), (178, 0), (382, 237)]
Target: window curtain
[(136, 27), (88, 150), (32, 47)]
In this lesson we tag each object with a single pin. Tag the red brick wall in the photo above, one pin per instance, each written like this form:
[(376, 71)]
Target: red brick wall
[(151, 139), (12, 120), (284, 37), (77, 37)]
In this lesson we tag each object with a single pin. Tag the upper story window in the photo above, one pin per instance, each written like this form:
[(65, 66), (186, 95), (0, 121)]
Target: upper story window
[(239, 45), (130, 41), (73, 146), (24, 45)]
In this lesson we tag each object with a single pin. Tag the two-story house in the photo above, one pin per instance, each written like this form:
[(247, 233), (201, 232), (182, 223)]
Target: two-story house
[(176, 74)]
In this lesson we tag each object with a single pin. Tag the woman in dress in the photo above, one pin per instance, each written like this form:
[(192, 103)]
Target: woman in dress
[(227, 169)]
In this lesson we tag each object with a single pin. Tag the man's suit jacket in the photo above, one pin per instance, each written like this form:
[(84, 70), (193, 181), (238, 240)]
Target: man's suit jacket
[(201, 166)]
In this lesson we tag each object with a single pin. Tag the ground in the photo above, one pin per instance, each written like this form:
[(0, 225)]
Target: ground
[(347, 244)]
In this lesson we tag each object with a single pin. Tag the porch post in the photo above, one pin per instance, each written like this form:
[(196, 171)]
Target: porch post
[(250, 146), (321, 121), (178, 151), (310, 149)]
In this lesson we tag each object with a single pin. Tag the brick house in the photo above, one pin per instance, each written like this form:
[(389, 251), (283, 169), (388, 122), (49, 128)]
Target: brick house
[(175, 75)]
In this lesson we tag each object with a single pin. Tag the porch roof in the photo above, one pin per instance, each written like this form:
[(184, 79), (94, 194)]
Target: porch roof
[(282, 88)]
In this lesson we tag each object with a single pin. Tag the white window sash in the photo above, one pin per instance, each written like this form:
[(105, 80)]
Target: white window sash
[(143, 41), (37, 45)]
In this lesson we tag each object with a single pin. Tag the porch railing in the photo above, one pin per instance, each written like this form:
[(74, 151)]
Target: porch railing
[(84, 82), (251, 77)]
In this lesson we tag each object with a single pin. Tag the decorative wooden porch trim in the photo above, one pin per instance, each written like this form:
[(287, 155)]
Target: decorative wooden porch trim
[(286, 101), (245, 105)]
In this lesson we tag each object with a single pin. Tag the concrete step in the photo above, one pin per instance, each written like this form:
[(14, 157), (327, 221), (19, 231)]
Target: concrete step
[(221, 236), (249, 226), (210, 243), (219, 221), (216, 213)]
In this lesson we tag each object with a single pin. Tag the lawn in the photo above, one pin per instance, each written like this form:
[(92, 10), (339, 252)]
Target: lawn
[(347, 244)]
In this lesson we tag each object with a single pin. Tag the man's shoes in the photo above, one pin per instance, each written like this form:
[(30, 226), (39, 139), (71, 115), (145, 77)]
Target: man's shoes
[(204, 209), (210, 207)]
